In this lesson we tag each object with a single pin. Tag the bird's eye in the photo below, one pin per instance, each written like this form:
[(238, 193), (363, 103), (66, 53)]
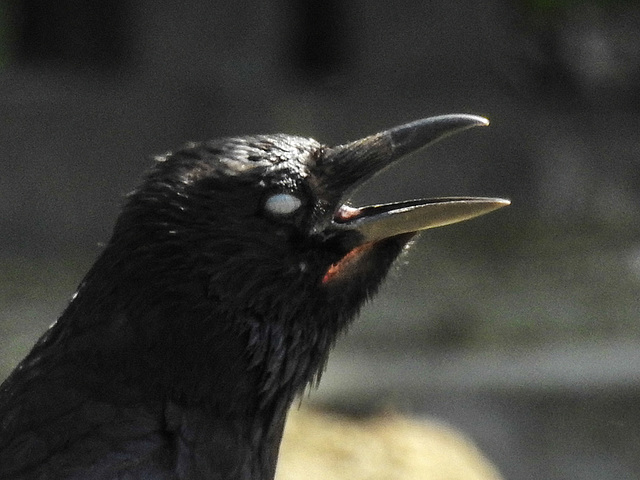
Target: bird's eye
[(282, 204)]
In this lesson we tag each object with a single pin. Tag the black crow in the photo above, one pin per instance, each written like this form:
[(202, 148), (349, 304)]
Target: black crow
[(230, 272)]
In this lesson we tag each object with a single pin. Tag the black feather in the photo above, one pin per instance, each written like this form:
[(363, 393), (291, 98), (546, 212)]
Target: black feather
[(190, 336)]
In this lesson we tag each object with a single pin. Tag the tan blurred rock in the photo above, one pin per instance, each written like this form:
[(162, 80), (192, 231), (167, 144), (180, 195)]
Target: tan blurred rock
[(326, 446)]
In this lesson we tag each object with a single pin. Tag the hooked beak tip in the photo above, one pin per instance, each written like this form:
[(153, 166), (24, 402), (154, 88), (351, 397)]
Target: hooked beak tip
[(415, 135)]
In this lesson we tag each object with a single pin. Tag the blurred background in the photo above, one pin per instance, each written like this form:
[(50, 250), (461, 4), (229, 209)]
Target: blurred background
[(520, 328)]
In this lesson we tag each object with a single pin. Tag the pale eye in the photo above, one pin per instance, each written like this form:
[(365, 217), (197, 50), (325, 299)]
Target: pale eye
[(282, 204)]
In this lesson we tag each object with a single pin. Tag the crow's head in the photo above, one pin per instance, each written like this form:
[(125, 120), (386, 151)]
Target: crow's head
[(252, 235)]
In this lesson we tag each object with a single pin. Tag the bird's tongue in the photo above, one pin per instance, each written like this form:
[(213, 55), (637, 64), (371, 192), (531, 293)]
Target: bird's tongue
[(346, 213)]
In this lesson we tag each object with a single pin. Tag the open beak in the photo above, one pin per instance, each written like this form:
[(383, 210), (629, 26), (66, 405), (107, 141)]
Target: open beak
[(343, 168)]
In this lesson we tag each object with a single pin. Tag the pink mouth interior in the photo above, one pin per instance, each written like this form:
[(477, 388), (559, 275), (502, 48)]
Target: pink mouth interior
[(346, 213)]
